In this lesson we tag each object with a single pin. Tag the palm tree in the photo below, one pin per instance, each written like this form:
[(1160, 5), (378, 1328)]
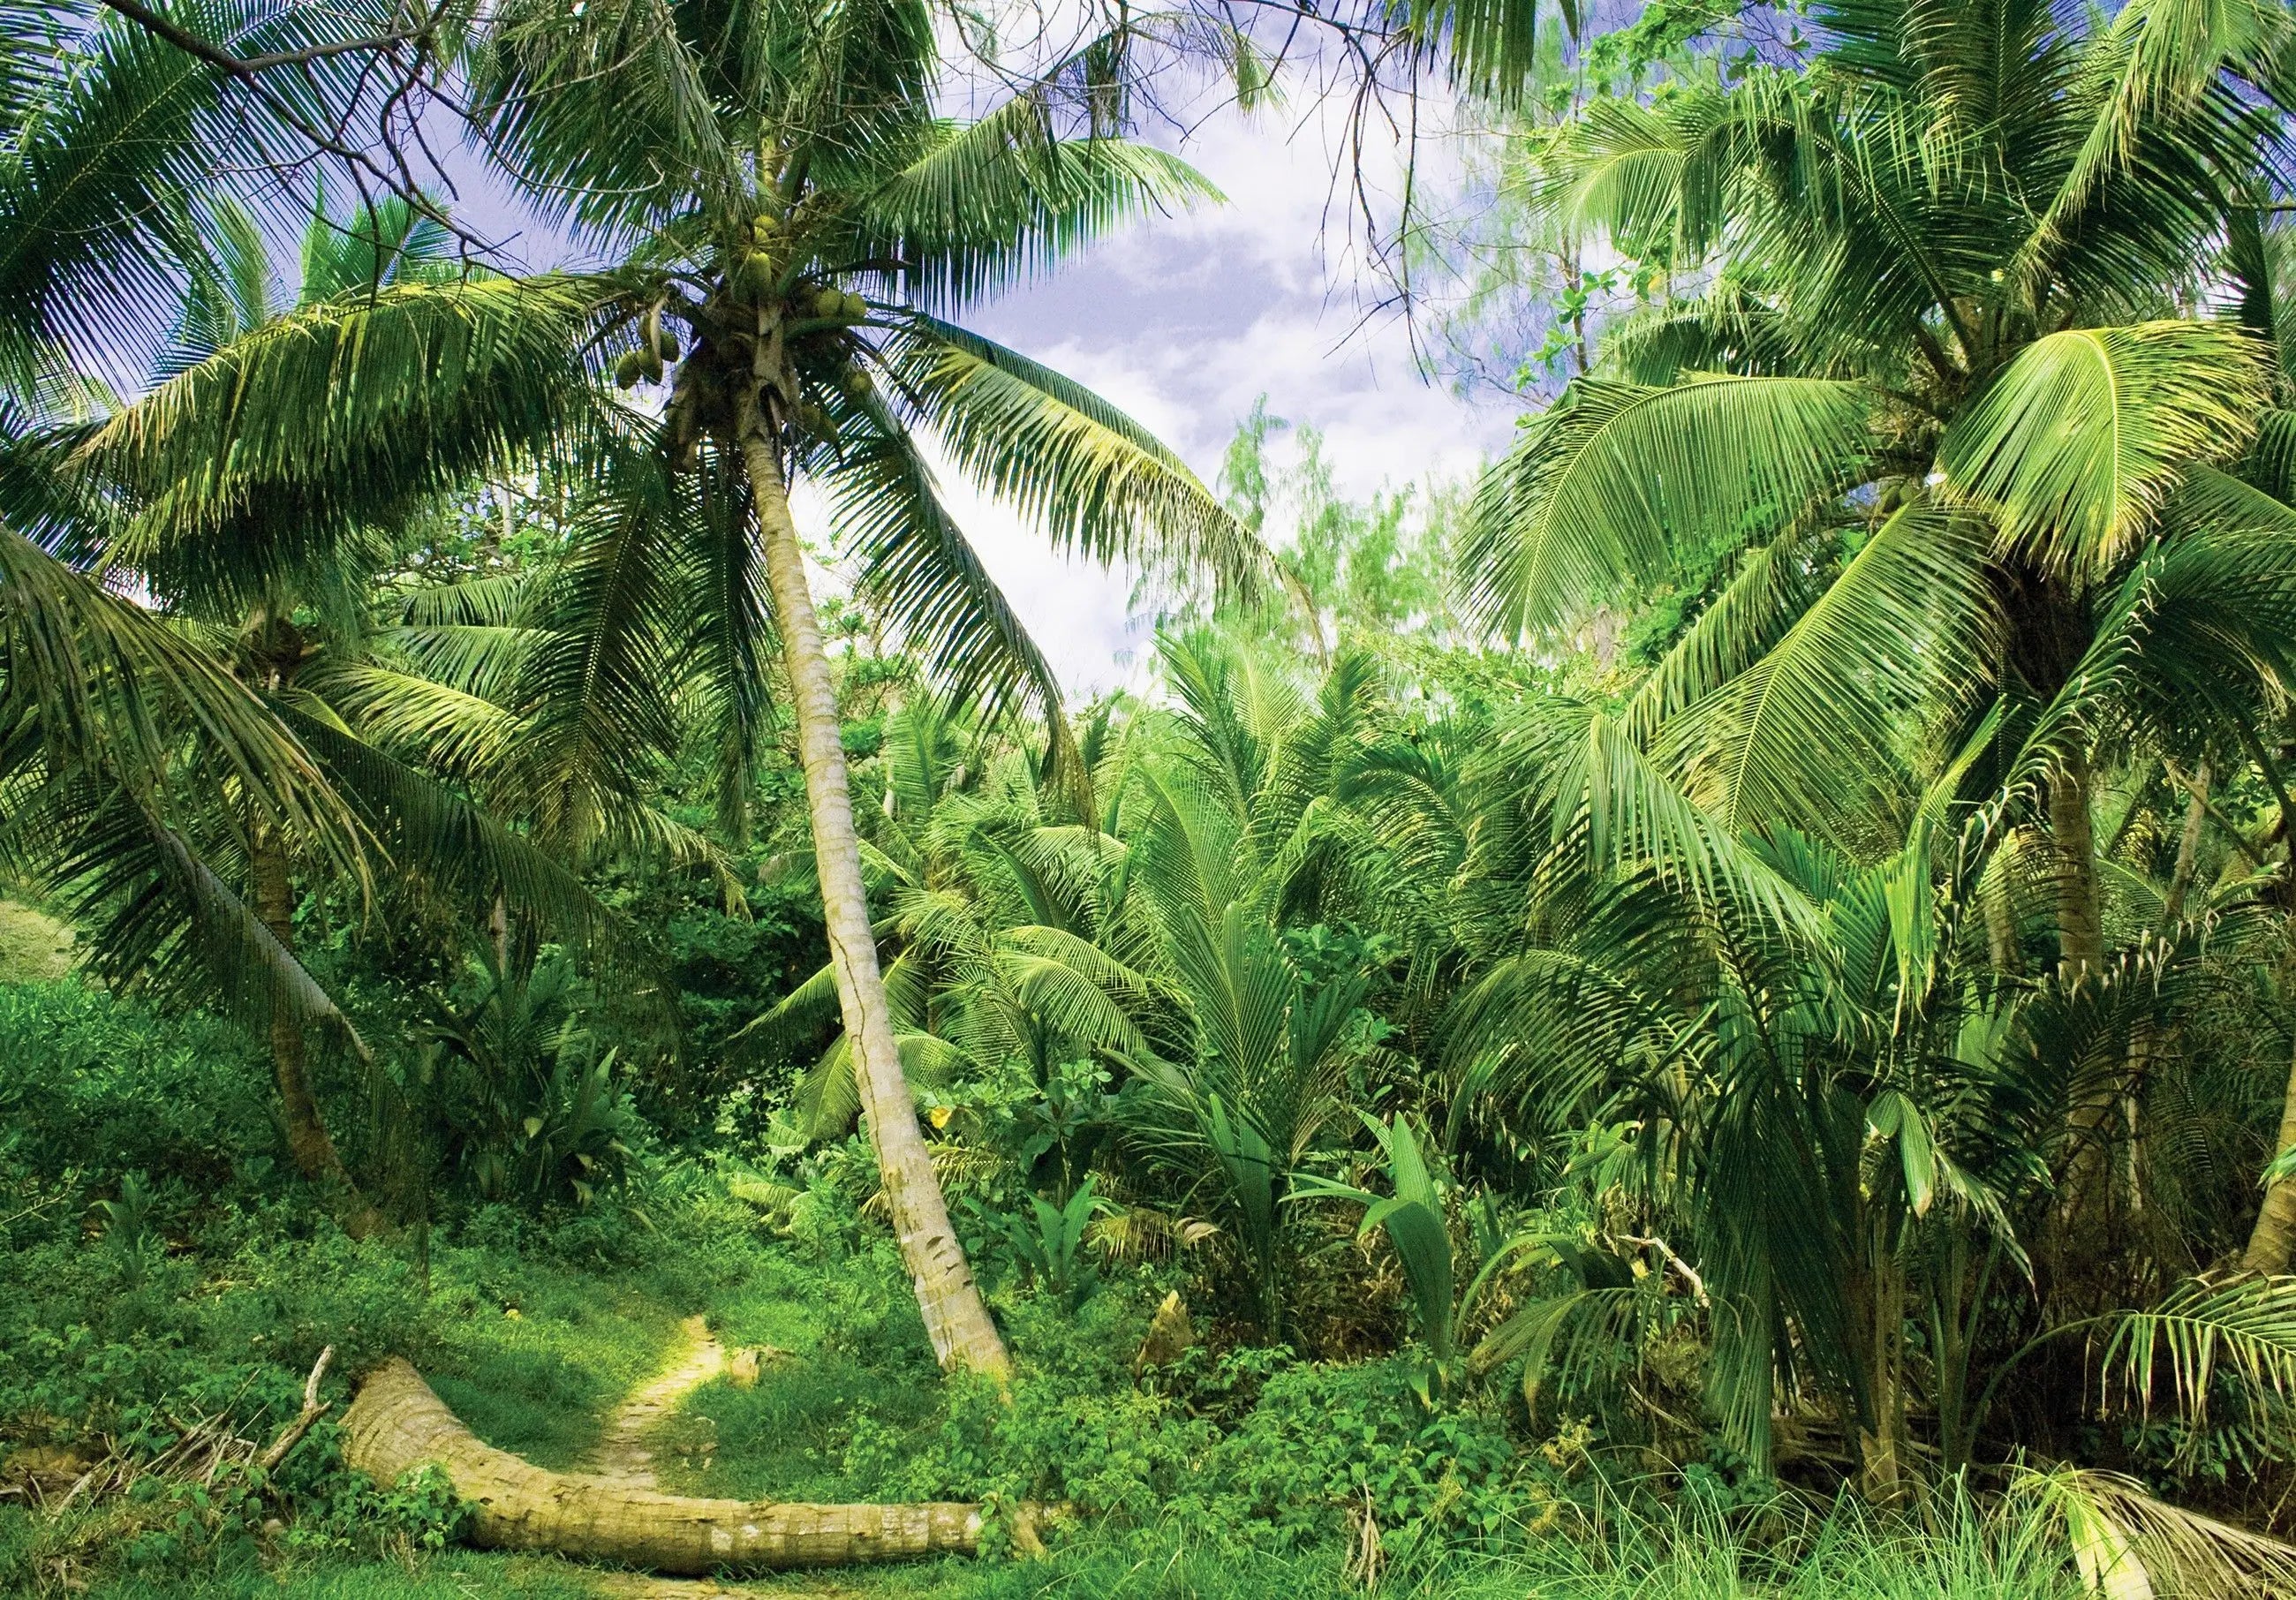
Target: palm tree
[(280, 593), (106, 136), (1927, 389), (759, 182), (753, 173)]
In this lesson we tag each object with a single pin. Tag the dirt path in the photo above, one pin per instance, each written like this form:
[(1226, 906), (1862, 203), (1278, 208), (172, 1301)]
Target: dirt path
[(625, 1452)]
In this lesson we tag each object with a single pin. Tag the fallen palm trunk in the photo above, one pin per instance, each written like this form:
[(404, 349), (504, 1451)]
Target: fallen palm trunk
[(397, 1424)]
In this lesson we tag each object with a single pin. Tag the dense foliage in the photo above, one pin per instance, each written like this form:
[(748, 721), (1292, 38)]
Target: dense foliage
[(1711, 1007)]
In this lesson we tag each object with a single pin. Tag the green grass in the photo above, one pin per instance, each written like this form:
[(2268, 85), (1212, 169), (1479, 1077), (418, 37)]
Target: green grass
[(1847, 1557), (853, 1354), (539, 1384), (459, 1575), (34, 946)]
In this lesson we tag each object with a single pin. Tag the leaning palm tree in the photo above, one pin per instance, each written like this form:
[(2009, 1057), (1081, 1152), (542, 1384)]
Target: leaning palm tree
[(790, 202), (789, 214), (280, 594), (1927, 385)]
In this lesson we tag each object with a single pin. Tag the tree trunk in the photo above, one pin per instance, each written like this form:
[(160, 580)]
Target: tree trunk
[(956, 1319), (2001, 930), (397, 1425), (2080, 920), (2188, 849), (308, 1143), (2274, 1235), (1880, 1443), (2085, 1200)]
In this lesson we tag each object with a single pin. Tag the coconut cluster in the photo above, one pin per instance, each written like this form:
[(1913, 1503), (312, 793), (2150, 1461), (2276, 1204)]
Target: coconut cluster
[(657, 348)]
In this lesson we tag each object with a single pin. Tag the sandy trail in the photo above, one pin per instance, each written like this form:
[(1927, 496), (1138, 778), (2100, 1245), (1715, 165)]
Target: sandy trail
[(625, 1452)]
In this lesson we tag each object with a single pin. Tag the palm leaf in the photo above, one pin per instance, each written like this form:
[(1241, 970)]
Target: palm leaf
[(1615, 478), (2077, 442), (1090, 476)]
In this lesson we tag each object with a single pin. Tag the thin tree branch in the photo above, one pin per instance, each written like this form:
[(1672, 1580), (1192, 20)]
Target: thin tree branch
[(246, 66)]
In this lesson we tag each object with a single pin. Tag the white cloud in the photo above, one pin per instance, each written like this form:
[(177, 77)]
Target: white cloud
[(1184, 322)]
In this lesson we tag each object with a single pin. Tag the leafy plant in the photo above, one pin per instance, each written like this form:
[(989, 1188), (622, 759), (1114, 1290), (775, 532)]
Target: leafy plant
[(1050, 1240)]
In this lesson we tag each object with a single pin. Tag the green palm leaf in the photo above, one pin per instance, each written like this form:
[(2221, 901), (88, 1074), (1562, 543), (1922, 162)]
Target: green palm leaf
[(1094, 479), (2077, 442), (1615, 478), (989, 202)]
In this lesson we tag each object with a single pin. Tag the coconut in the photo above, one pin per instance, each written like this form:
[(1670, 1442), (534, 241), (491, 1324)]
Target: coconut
[(827, 303), (762, 226), (855, 309), (628, 369), (665, 344), (857, 383), (651, 364)]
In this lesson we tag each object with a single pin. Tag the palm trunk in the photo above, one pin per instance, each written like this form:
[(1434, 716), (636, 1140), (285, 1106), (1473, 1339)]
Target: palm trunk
[(2001, 930), (2274, 1236), (956, 1319), (2085, 1199), (1881, 1445), (2081, 921), (308, 1143), (397, 1425), (2188, 850)]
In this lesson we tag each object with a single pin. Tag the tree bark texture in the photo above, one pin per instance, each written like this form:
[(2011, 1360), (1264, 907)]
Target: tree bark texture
[(397, 1425), (2081, 918), (2085, 1194), (2274, 1237), (956, 1318), (2188, 850), (308, 1143)]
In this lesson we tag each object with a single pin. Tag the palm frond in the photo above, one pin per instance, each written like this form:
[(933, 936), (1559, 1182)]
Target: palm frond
[(1611, 481), (2077, 442), (1094, 480)]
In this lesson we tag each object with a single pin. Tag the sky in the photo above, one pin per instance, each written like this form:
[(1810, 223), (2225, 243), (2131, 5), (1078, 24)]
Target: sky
[(1184, 321)]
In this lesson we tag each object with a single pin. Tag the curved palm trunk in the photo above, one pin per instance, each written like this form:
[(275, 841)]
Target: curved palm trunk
[(397, 1424), (308, 1143), (2274, 1235), (956, 1319)]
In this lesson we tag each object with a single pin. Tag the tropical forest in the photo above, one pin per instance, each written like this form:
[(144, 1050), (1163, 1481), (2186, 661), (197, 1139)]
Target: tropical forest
[(966, 799)]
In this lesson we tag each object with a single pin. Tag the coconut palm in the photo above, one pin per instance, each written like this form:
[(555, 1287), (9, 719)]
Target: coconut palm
[(754, 172), (763, 168), (280, 594), (1926, 388)]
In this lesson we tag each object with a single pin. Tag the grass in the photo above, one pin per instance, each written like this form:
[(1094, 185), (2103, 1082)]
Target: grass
[(533, 1359), (1847, 1557), (849, 1355), (457, 1575), (34, 946)]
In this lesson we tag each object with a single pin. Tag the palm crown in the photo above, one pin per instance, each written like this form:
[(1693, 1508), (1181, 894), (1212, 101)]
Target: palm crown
[(1928, 386)]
